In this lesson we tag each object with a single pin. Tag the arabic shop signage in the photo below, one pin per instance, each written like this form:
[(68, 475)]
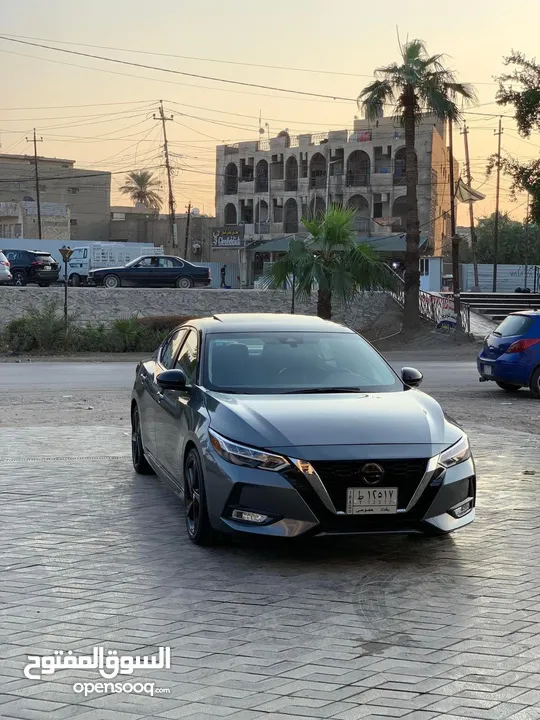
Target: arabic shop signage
[(223, 238)]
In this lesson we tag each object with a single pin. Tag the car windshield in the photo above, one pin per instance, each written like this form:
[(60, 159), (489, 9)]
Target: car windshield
[(513, 325), (295, 362), (135, 261)]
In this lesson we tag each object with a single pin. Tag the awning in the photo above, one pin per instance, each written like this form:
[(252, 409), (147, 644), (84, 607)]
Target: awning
[(386, 244)]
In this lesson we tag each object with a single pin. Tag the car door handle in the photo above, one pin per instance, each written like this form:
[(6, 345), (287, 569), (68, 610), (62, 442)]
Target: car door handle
[(144, 375)]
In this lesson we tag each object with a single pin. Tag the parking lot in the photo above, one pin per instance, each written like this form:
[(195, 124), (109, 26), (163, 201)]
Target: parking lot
[(94, 555)]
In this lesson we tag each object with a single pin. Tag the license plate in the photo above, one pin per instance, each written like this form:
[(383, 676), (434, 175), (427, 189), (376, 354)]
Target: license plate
[(488, 370), (372, 501), (46, 267)]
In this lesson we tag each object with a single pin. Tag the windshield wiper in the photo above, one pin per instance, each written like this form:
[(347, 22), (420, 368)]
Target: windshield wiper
[(319, 390)]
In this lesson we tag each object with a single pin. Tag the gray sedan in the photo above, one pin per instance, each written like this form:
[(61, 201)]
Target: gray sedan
[(288, 426)]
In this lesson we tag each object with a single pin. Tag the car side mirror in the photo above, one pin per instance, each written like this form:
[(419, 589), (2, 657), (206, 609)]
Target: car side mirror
[(172, 379), (411, 376)]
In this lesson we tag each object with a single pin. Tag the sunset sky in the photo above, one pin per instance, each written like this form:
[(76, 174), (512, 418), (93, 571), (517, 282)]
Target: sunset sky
[(100, 114)]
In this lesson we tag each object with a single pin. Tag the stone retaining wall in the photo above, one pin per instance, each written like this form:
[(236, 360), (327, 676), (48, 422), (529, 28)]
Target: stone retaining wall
[(101, 305)]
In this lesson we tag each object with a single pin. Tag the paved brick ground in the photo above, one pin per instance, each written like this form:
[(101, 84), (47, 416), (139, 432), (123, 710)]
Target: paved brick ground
[(345, 629)]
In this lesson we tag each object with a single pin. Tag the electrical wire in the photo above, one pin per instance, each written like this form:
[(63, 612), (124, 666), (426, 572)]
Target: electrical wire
[(157, 68), (214, 60)]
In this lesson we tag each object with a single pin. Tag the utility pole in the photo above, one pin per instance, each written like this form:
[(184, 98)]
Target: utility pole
[(172, 217), (465, 133), (497, 196), (35, 140), (188, 222), (455, 238), (526, 253)]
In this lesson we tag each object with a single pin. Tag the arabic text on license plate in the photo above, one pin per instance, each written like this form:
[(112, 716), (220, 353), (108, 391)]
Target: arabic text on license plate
[(488, 370), (372, 501)]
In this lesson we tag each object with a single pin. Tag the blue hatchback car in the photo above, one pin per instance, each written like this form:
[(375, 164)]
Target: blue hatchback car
[(511, 353)]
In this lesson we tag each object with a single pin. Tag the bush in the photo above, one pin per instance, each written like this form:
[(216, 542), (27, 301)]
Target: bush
[(39, 330), (43, 331), (163, 322)]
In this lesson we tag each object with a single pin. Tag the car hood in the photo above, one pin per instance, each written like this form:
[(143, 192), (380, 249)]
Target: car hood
[(107, 269), (283, 421)]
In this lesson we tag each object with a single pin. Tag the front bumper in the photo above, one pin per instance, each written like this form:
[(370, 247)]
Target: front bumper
[(299, 505)]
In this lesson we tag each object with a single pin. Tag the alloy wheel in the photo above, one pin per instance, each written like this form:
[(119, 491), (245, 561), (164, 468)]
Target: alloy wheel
[(192, 496)]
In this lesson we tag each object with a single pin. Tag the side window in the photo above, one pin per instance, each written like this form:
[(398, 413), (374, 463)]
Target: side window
[(165, 262), (187, 359), (170, 347)]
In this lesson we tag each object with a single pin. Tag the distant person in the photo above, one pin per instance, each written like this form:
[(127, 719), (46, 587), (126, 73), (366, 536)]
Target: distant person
[(222, 272)]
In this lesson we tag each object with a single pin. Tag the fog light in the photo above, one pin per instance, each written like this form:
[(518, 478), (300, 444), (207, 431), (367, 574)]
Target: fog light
[(248, 516), (461, 510)]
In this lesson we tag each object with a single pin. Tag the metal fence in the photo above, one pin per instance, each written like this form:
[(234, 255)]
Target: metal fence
[(433, 308)]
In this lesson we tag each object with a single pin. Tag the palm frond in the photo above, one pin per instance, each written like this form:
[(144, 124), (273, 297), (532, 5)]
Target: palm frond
[(374, 96), (413, 50)]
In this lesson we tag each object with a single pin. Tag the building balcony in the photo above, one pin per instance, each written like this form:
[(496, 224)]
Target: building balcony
[(277, 186), (261, 185), (246, 187), (357, 180), (291, 184), (317, 183)]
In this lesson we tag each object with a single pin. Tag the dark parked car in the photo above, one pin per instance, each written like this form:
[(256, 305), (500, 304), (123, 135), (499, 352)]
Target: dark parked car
[(32, 266), (152, 271), (511, 353), (287, 425)]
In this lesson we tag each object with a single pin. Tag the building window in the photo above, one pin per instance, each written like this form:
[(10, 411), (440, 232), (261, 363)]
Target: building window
[(73, 223), (73, 190), (424, 266)]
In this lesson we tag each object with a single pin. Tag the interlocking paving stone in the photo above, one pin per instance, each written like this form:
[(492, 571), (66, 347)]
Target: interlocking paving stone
[(366, 628)]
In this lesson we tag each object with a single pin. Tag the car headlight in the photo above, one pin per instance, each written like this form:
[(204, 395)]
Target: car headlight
[(246, 456), (457, 453)]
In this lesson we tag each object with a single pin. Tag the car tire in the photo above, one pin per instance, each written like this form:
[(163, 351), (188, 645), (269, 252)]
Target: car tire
[(111, 281), (507, 387), (535, 383), (140, 463), (198, 526), (75, 280), (44, 284), (184, 283), (19, 278)]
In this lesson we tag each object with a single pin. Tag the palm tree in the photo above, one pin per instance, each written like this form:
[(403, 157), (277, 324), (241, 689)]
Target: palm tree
[(332, 260), (420, 84), (139, 186)]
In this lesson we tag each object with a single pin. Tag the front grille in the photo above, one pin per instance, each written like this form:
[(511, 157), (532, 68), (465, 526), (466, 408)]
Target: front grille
[(339, 475)]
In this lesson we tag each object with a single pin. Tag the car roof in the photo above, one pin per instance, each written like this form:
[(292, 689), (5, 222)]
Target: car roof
[(34, 252), (528, 313), (260, 322)]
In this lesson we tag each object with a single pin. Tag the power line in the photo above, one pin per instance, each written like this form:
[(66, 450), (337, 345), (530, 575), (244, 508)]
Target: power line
[(214, 60), (175, 72)]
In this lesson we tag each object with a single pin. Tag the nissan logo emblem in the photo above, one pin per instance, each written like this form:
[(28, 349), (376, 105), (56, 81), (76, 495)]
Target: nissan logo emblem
[(372, 474)]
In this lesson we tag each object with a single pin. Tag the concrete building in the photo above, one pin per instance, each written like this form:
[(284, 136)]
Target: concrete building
[(86, 193), (138, 224), (20, 220), (264, 188)]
